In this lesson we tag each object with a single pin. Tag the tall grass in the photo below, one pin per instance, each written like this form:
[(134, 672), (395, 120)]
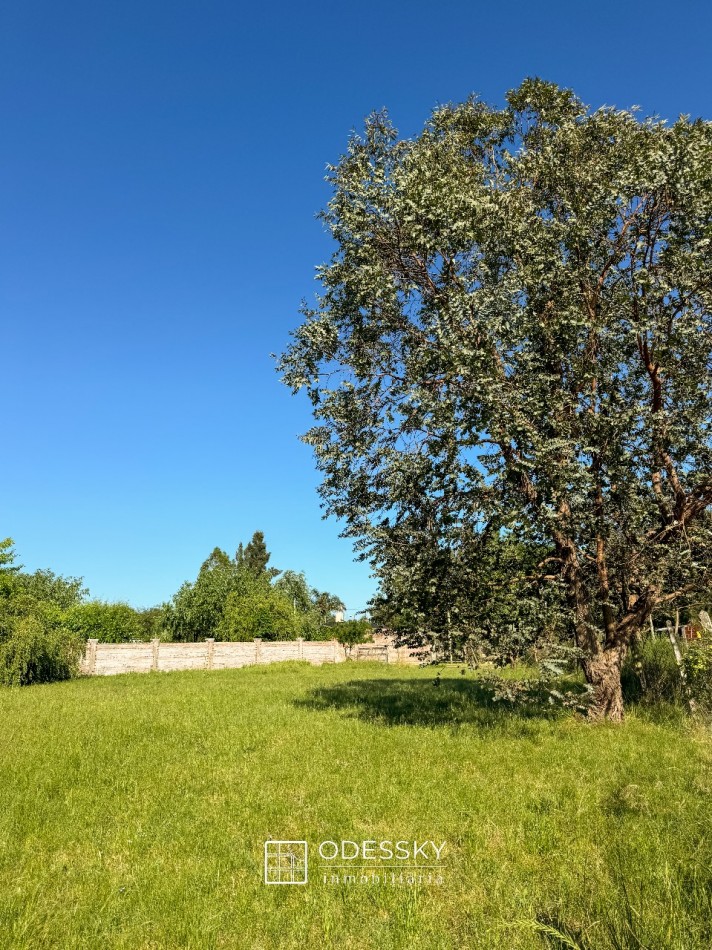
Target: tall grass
[(134, 810)]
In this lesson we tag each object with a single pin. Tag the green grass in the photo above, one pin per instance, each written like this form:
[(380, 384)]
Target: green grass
[(134, 810)]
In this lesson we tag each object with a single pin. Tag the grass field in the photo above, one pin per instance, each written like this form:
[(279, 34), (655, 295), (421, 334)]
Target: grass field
[(134, 811)]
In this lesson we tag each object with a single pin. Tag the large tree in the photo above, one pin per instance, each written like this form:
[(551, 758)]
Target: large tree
[(515, 335)]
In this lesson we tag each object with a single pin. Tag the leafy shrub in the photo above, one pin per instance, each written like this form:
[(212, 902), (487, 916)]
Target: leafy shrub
[(650, 674), (263, 613), (698, 667), (32, 651), (109, 623), (46, 587), (151, 620)]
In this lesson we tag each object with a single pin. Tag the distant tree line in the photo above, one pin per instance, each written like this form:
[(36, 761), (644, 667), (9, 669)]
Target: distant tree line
[(46, 619)]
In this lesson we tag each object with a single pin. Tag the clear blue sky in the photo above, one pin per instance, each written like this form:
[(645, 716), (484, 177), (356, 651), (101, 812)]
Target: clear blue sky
[(161, 164)]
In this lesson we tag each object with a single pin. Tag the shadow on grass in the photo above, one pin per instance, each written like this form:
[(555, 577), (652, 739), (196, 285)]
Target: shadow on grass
[(451, 703)]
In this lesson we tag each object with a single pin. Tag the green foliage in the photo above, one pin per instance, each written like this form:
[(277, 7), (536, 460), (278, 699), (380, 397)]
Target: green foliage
[(308, 620), (697, 661), (151, 621), (34, 651), (255, 557), (258, 612), (7, 556), (45, 620), (8, 569), (47, 587), (514, 335), (197, 608), (650, 674), (325, 604), (34, 645), (314, 609), (484, 598), (107, 622), (350, 632), (294, 587), (239, 600)]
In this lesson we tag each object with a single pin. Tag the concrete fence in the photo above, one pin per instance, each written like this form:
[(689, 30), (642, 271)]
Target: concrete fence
[(106, 659)]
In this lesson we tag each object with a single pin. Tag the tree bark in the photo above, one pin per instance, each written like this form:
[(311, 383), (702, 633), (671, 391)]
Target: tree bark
[(603, 672)]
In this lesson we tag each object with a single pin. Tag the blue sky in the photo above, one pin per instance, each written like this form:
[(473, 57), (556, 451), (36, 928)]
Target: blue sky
[(161, 164)]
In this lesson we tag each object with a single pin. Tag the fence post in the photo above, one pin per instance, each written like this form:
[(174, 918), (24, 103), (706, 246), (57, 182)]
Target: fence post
[(211, 650), (154, 654), (300, 641), (672, 635), (90, 663), (336, 650), (258, 649)]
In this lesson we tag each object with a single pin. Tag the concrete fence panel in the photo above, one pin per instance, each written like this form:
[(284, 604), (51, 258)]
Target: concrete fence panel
[(110, 658), (181, 656), (231, 655), (106, 659)]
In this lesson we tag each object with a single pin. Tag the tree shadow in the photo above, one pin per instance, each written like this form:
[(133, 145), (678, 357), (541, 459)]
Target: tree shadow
[(448, 702)]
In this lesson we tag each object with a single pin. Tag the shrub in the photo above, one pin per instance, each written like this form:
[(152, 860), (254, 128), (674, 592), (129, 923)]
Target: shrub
[(650, 674), (698, 667), (35, 652), (110, 623), (262, 613)]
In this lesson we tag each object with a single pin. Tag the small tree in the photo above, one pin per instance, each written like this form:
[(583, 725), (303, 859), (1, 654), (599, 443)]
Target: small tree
[(351, 632)]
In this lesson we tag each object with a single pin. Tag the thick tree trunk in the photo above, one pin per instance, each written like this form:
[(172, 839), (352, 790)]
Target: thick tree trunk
[(603, 672)]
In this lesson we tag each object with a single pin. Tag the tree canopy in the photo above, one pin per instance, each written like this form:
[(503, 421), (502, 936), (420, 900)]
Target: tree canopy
[(514, 336), (35, 644), (244, 598)]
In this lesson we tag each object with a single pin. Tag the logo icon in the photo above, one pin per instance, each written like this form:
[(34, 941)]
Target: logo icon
[(285, 862)]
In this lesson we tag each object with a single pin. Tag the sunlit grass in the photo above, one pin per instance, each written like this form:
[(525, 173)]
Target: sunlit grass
[(134, 810)]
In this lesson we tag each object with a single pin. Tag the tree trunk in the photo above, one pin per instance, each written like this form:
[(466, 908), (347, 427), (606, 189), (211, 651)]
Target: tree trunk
[(603, 672)]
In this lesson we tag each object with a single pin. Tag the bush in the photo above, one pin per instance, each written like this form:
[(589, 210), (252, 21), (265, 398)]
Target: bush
[(262, 613), (109, 623), (650, 674), (698, 666), (34, 652)]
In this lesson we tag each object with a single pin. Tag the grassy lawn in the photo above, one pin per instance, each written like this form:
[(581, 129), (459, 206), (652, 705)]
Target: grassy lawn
[(134, 810)]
